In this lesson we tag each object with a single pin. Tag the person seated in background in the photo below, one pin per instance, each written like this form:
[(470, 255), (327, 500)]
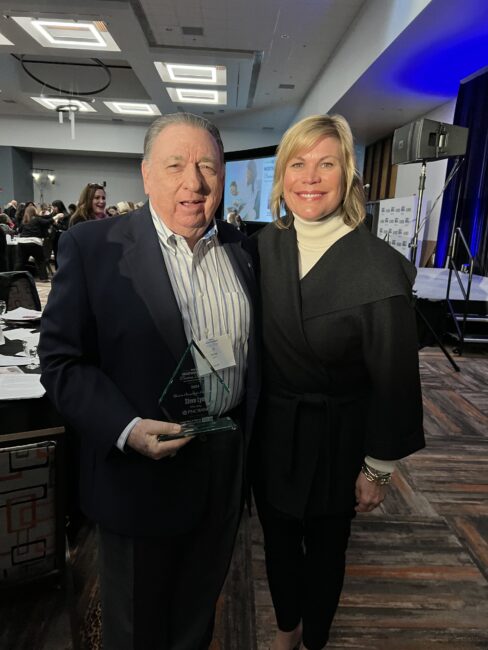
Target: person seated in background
[(123, 207), (232, 218), (19, 213), (33, 229), (4, 225), (44, 210), (112, 211), (235, 219), (10, 209), (91, 204)]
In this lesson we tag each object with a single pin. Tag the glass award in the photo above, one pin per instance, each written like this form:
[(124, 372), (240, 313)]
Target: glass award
[(183, 399)]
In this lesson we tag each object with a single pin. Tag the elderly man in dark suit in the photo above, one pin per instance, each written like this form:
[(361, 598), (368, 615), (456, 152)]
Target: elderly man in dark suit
[(129, 296)]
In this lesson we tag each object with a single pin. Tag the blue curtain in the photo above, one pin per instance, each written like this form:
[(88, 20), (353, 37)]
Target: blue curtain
[(470, 185)]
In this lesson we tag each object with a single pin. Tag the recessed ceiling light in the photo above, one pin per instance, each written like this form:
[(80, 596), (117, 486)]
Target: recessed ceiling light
[(61, 33), (53, 103), (4, 40), (197, 96), (133, 108), (185, 73), (69, 34)]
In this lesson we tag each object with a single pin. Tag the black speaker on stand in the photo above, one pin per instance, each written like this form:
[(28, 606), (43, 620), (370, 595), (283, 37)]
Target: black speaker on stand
[(422, 141)]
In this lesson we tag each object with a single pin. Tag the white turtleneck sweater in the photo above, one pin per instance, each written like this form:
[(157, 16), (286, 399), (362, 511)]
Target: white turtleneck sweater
[(313, 239)]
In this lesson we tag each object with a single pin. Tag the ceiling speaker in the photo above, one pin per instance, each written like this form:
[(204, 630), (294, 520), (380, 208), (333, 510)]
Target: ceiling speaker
[(428, 140)]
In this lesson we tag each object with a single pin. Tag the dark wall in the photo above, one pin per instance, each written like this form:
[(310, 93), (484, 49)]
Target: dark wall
[(15, 175)]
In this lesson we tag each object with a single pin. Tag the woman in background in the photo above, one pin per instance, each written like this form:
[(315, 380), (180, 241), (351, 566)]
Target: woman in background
[(60, 214), (342, 396), (61, 218), (91, 204), (32, 231), (248, 210)]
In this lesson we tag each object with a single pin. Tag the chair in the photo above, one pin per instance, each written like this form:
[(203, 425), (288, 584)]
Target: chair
[(32, 541), (3, 250), (18, 289)]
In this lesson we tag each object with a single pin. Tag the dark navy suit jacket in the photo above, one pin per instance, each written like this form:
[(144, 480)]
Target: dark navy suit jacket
[(111, 337)]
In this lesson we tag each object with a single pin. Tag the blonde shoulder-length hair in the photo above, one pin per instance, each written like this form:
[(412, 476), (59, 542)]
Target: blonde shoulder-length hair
[(303, 136)]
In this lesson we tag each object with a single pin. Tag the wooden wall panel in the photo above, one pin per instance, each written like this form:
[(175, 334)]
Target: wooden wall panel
[(378, 170)]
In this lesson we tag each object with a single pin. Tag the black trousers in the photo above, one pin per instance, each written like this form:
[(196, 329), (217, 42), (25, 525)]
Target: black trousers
[(36, 251), (305, 564), (160, 593)]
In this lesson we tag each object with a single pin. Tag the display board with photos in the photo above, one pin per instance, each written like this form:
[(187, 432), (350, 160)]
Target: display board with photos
[(396, 223)]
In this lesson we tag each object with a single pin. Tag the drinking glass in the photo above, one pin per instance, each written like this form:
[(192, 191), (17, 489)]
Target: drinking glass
[(30, 350), (3, 309)]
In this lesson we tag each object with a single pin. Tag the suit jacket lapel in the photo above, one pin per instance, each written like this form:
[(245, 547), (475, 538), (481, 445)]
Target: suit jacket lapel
[(143, 264)]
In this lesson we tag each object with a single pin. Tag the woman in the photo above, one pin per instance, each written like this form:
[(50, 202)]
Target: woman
[(61, 219), (91, 204), (249, 207), (342, 393), (32, 231), (60, 215)]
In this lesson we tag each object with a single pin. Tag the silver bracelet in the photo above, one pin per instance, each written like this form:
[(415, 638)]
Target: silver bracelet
[(374, 476)]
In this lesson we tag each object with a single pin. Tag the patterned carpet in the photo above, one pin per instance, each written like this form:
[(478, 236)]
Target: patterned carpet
[(417, 574)]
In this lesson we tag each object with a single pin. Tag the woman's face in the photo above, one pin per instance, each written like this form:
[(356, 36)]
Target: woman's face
[(98, 202), (313, 183)]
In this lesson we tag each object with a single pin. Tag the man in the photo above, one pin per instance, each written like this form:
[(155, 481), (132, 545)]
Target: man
[(129, 296)]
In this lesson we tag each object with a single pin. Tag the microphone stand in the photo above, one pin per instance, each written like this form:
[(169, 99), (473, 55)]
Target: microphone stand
[(413, 257), (415, 241)]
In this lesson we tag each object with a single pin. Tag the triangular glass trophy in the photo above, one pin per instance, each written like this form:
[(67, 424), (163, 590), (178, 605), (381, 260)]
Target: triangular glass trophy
[(183, 399)]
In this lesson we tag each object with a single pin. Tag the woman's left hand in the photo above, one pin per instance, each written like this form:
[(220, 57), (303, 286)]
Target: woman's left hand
[(369, 495)]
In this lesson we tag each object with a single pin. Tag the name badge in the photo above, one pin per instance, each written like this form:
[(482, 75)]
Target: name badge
[(217, 351)]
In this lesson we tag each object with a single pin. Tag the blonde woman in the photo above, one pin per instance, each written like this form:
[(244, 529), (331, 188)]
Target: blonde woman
[(341, 392), (33, 229)]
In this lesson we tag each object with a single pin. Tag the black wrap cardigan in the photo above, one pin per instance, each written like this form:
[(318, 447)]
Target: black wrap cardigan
[(340, 373)]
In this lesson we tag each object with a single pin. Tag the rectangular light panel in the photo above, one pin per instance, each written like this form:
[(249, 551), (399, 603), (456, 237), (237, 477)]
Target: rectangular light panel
[(133, 108), (185, 73), (52, 103), (69, 34), (197, 96)]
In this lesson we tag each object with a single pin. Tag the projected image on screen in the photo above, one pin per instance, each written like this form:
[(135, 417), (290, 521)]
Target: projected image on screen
[(248, 185)]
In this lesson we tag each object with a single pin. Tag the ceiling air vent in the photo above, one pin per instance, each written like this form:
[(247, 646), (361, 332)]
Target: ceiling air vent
[(9, 101), (267, 128), (286, 86), (192, 31)]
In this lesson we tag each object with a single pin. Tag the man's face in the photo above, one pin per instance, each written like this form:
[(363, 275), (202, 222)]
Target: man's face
[(184, 179)]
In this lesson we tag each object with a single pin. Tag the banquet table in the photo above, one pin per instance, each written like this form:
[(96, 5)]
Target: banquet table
[(23, 415), (12, 243)]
